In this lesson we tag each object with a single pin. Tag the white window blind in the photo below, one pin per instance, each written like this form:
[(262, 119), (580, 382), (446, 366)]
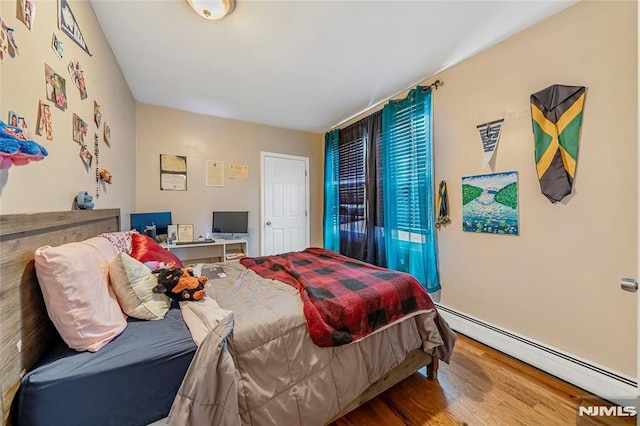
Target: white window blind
[(352, 185), (408, 155)]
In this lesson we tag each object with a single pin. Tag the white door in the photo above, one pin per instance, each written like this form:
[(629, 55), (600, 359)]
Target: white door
[(285, 203)]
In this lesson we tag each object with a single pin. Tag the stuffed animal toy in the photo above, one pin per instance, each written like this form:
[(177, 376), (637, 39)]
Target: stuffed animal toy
[(84, 201), (180, 284), (16, 149)]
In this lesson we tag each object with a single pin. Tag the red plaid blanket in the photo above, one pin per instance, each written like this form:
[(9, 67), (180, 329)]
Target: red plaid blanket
[(344, 299)]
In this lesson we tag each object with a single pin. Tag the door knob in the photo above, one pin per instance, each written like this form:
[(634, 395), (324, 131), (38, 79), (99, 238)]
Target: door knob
[(629, 284), (268, 223)]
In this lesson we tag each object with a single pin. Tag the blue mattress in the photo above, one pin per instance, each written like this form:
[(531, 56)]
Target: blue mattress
[(131, 381)]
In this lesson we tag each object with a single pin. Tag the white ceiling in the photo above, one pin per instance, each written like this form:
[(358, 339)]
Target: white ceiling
[(305, 65)]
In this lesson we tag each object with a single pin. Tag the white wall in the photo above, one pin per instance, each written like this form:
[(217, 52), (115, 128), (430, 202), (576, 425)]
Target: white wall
[(52, 184)]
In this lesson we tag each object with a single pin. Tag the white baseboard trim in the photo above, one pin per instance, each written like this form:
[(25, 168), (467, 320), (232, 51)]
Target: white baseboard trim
[(596, 379)]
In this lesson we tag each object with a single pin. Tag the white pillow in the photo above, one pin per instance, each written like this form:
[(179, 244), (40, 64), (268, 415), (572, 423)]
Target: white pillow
[(74, 279), (133, 284)]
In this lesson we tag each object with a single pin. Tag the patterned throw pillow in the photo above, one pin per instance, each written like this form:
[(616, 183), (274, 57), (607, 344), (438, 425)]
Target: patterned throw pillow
[(122, 241)]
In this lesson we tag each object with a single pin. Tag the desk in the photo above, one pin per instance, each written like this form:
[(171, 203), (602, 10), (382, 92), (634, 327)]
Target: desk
[(202, 252)]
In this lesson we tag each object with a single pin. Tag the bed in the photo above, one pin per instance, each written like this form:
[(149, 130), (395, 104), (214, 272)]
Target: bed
[(135, 377), (28, 335)]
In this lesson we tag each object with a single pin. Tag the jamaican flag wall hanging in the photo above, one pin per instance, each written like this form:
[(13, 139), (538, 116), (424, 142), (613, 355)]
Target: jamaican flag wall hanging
[(556, 113)]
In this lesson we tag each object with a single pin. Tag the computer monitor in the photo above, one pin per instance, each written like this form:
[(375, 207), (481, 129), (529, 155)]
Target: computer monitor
[(161, 220), (230, 223)]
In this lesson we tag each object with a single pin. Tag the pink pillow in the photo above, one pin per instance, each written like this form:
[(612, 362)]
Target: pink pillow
[(144, 249), (74, 279)]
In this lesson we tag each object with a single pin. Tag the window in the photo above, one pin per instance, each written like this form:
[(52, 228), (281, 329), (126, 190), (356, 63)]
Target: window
[(353, 203), (379, 195), (407, 170), (352, 191), (407, 152), (351, 184)]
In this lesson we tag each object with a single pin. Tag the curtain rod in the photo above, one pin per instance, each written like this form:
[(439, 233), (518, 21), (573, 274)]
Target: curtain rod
[(434, 85)]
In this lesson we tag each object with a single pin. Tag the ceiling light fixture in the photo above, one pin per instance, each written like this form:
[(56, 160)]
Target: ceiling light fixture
[(212, 9)]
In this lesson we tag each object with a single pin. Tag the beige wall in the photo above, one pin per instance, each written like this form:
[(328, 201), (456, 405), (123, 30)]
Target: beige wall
[(199, 137), (558, 282), (51, 184)]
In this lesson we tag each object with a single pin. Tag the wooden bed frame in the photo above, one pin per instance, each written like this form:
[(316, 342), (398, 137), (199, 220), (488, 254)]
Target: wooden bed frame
[(27, 333)]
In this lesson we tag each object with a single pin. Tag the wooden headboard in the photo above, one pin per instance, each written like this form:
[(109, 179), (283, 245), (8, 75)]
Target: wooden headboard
[(25, 329)]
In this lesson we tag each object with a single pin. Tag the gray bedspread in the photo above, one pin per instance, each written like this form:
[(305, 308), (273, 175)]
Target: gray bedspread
[(256, 363)]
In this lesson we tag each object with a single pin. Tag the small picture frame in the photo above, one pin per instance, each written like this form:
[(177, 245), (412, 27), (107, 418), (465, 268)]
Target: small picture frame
[(57, 46), (80, 128), (173, 172), (27, 13), (13, 119), (172, 233), (173, 163), (86, 156), (77, 77), (60, 91), (44, 126), (107, 134), (173, 182), (50, 83), (97, 114), (22, 123), (185, 233)]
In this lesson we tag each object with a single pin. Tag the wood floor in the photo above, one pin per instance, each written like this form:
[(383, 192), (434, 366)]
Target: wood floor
[(481, 386)]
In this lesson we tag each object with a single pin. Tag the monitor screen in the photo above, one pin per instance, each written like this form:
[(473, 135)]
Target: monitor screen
[(230, 222), (161, 220)]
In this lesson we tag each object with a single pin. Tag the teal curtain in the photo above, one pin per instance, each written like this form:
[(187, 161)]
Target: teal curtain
[(331, 193), (407, 168)]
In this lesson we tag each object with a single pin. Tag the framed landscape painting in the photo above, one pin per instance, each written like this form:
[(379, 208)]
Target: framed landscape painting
[(490, 203)]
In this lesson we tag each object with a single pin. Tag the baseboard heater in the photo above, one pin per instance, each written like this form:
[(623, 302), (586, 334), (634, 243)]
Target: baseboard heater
[(598, 380)]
